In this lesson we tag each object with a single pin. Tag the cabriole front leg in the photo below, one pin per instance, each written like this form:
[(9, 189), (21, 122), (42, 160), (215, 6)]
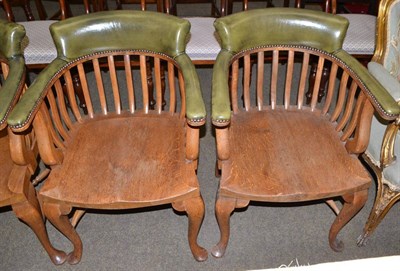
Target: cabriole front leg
[(223, 210), (194, 207), (58, 216), (352, 204), (29, 212)]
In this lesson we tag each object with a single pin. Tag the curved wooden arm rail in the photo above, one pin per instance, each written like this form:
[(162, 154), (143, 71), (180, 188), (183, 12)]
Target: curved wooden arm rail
[(273, 147), (18, 152), (121, 155)]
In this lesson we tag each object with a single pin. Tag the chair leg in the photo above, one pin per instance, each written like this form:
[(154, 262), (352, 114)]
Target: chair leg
[(322, 87), (58, 216), (223, 210), (28, 11), (352, 204), (79, 92), (41, 10), (29, 212), (150, 85), (217, 169), (215, 12), (118, 4), (194, 207), (286, 3), (229, 7), (385, 198)]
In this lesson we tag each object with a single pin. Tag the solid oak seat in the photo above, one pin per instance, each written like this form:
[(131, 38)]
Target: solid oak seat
[(278, 157), (133, 164)]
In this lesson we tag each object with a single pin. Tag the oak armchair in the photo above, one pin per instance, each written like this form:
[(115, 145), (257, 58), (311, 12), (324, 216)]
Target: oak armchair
[(273, 147), (18, 153), (384, 147), (121, 155)]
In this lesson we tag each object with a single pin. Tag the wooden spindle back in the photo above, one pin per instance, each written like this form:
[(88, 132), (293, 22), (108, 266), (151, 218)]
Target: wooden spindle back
[(113, 84), (277, 77)]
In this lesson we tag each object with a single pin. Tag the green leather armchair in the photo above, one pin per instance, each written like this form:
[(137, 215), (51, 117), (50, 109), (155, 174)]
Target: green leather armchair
[(271, 145), (122, 154)]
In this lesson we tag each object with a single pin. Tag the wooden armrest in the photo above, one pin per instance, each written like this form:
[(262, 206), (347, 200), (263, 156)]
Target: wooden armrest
[(25, 110), (12, 87), (195, 108), (221, 108)]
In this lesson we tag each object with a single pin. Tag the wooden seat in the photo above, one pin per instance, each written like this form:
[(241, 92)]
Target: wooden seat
[(272, 146), (284, 170), (121, 154), (132, 172), (18, 153)]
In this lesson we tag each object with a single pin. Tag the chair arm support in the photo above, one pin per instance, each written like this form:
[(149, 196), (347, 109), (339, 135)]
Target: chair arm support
[(26, 108), (388, 155), (382, 100), (22, 152), (222, 139), (195, 108), (11, 88), (221, 106), (192, 142)]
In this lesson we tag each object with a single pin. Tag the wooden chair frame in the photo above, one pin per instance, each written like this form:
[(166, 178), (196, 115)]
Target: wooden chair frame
[(161, 146), (261, 143)]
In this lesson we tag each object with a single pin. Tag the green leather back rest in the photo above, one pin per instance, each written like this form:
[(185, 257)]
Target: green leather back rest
[(11, 35), (261, 27), (79, 35)]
